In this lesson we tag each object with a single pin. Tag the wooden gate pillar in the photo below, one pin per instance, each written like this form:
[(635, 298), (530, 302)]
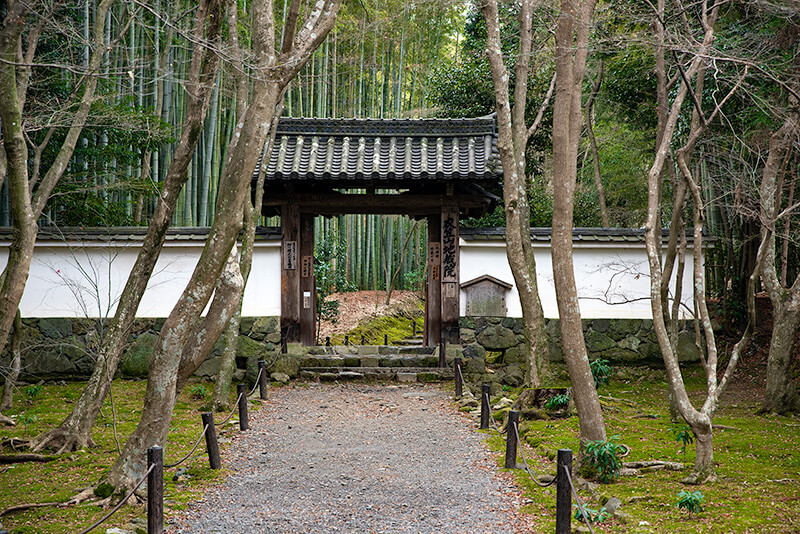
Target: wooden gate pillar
[(433, 286), (290, 273), (308, 286), (450, 288)]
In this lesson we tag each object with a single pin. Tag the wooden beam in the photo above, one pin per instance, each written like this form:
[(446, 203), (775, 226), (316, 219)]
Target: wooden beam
[(290, 273), (433, 299), (308, 291), (408, 204)]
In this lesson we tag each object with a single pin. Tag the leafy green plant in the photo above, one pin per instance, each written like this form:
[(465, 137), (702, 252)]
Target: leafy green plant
[(691, 501), (27, 419), (594, 516), (557, 402), (601, 372), (198, 392), (33, 391), (604, 458), (684, 436)]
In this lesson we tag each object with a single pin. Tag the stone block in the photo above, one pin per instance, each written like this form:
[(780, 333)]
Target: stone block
[(406, 377), (687, 349), (474, 351), (601, 325), (246, 324), (208, 368), (288, 365), (497, 337), (283, 378), (619, 329), (55, 328), (514, 375), (467, 336), (370, 361), (136, 359)]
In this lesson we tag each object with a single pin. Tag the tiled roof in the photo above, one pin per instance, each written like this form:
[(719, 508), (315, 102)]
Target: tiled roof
[(592, 235), (378, 150), (129, 233)]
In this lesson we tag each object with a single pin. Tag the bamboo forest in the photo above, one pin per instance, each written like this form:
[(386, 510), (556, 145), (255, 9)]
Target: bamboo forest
[(389, 59)]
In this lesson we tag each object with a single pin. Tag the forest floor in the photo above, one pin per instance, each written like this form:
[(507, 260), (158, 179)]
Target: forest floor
[(757, 456)]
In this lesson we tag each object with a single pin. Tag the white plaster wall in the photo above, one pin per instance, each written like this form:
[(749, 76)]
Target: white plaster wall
[(613, 280), (86, 279)]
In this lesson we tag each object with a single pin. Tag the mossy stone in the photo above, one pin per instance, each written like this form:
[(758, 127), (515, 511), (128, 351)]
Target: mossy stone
[(288, 365), (246, 324), (55, 328), (466, 322), (497, 337), (687, 349), (474, 351), (514, 375), (136, 359), (598, 342), (601, 325)]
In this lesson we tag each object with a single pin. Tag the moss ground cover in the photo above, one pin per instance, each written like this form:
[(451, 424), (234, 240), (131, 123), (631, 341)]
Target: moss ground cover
[(64, 477), (757, 457)]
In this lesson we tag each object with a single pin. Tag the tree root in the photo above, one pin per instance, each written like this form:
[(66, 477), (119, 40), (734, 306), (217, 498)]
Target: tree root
[(21, 458), (61, 441), (28, 506), (16, 443), (7, 420)]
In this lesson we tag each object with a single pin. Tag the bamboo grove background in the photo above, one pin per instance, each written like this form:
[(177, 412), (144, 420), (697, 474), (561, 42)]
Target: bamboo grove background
[(374, 64)]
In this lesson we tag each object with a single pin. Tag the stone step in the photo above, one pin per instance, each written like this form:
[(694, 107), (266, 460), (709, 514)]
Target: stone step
[(376, 360), (409, 342), (399, 374)]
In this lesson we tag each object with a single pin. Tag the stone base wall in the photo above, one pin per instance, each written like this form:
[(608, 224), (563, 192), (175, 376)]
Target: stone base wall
[(65, 348), (495, 349)]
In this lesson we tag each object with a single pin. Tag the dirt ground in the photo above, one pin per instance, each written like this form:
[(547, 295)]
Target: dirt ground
[(357, 306)]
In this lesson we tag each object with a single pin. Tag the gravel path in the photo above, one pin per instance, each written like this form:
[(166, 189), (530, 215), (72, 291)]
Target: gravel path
[(357, 459)]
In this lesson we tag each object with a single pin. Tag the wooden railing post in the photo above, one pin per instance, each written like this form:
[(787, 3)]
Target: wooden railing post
[(485, 392), (563, 493), (241, 391), (155, 490), (511, 439), (212, 446), (262, 379)]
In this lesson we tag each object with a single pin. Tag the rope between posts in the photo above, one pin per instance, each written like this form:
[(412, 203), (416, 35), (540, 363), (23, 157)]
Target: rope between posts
[(528, 468), (260, 371), (578, 500), (119, 505), (491, 414), (235, 405), (458, 370), (197, 444)]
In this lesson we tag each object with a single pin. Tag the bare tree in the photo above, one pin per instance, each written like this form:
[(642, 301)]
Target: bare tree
[(663, 263), (781, 394), (512, 142), (75, 431), (572, 45), (29, 189), (272, 71)]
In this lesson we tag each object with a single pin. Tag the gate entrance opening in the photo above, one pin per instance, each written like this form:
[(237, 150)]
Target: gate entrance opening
[(433, 169)]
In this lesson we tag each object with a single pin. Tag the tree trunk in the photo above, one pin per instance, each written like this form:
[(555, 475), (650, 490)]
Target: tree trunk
[(7, 402), (165, 376), (513, 137), (571, 34), (75, 431), (781, 395)]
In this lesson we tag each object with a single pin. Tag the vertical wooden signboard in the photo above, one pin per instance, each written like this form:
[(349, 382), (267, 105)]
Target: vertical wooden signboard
[(450, 274), (290, 274), (433, 298)]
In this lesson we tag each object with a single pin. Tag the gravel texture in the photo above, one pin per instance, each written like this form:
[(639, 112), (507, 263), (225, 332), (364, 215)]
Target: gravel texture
[(357, 459)]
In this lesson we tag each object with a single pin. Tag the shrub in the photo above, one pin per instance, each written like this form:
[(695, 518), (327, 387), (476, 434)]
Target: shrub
[(198, 392), (601, 371), (690, 501), (33, 391), (684, 436), (557, 402), (604, 458), (594, 516)]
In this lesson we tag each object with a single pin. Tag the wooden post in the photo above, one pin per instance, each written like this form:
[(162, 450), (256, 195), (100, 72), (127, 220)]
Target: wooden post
[(212, 446), (563, 493), (485, 392), (155, 490), (511, 439), (450, 288), (458, 377), (433, 300), (363, 340), (262, 379), (442, 351), (385, 339), (308, 286), (327, 341), (290, 275), (241, 391), (346, 340)]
